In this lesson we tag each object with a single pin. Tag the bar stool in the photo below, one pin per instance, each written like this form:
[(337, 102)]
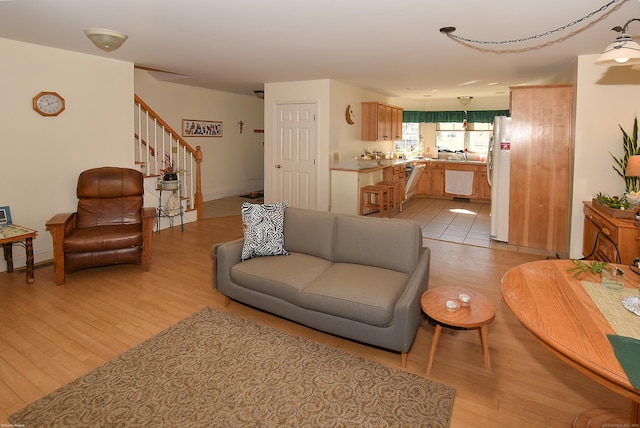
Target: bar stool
[(394, 194), (374, 197)]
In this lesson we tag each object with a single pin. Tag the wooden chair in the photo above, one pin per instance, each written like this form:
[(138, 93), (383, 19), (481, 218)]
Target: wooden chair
[(374, 198), (110, 226)]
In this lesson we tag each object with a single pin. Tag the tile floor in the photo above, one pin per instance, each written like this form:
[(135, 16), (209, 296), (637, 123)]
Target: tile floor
[(457, 221)]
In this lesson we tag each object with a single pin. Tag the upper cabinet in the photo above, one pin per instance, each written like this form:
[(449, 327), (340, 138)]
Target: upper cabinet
[(381, 122)]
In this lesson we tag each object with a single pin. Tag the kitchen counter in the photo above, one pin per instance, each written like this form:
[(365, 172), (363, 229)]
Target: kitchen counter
[(366, 165), (456, 161)]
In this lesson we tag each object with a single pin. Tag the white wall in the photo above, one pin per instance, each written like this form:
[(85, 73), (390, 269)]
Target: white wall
[(606, 98), (42, 156), (232, 164)]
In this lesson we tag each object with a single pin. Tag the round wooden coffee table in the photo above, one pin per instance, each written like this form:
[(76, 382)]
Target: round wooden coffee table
[(476, 314)]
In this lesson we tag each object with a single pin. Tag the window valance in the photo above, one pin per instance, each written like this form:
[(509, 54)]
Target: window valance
[(473, 116)]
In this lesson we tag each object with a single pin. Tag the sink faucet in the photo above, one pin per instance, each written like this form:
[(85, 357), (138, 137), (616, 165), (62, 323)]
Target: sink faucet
[(464, 155)]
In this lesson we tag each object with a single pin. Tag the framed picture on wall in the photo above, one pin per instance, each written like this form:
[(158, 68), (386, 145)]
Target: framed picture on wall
[(5, 216), (201, 128)]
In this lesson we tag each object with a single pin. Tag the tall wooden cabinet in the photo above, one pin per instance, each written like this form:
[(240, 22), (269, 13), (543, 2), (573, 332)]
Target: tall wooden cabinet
[(541, 144)]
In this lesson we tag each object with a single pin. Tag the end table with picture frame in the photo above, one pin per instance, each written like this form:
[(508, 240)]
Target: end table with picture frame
[(14, 234)]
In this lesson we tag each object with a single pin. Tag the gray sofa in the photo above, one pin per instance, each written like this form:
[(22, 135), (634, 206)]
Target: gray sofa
[(356, 277)]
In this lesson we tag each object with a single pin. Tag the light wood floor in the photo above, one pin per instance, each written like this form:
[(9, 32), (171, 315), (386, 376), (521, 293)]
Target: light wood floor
[(50, 335)]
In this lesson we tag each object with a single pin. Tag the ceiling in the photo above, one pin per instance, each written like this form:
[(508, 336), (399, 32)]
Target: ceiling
[(393, 48)]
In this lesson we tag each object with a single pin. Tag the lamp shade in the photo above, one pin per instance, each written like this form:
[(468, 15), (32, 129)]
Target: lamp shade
[(107, 40), (633, 166), (624, 51)]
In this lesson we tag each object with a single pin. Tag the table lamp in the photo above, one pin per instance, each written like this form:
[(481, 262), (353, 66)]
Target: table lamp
[(633, 166), (633, 170)]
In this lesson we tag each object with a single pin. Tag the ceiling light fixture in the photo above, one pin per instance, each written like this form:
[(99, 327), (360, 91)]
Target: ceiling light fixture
[(107, 40), (623, 51), (259, 94), (465, 100)]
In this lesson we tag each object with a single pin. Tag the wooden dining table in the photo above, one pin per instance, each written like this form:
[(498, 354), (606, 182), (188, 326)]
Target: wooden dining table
[(553, 305)]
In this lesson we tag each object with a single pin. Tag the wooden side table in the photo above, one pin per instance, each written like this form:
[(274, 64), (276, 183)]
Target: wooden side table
[(13, 234), (476, 314)]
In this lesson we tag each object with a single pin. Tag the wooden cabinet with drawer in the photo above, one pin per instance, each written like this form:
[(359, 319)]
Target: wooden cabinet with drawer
[(607, 238), (397, 174)]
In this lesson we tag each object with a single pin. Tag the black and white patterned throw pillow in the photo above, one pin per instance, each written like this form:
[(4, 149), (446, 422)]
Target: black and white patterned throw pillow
[(263, 226)]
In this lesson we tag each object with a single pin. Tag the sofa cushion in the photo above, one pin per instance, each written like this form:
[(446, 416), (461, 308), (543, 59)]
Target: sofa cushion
[(362, 293), (387, 243), (309, 232), (282, 277), (263, 226)]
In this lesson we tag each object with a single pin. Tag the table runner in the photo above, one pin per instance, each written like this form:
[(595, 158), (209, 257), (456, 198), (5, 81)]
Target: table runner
[(623, 322)]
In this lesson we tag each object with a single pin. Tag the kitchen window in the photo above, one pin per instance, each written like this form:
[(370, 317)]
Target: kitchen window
[(454, 137), (411, 141)]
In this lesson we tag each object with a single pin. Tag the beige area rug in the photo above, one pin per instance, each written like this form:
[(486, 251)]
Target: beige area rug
[(214, 369), (226, 207)]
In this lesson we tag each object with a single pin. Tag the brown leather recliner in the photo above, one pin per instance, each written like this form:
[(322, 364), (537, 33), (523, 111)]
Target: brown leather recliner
[(111, 226)]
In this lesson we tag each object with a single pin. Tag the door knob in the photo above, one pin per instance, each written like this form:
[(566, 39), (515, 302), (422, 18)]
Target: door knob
[(278, 166)]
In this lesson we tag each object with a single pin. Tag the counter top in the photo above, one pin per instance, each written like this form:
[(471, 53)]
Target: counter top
[(462, 161), (366, 165)]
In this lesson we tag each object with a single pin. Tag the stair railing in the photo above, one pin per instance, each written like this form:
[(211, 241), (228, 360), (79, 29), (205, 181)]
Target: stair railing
[(156, 142)]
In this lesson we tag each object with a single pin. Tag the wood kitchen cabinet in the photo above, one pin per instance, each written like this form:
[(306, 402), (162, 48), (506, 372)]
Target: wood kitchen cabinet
[(432, 181), (397, 174), (381, 122), (541, 141), (484, 190), (607, 238)]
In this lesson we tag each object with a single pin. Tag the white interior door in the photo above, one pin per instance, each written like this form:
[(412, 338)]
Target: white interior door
[(295, 166)]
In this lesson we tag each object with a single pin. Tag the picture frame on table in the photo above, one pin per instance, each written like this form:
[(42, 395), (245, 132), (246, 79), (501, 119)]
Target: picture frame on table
[(5, 216), (201, 128)]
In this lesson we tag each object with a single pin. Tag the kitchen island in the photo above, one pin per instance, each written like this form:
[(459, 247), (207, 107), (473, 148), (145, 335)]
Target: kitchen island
[(348, 176)]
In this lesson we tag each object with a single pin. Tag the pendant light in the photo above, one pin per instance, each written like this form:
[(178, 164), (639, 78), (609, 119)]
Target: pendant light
[(623, 51)]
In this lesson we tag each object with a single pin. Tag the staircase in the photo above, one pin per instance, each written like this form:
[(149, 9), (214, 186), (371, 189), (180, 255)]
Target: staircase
[(156, 141)]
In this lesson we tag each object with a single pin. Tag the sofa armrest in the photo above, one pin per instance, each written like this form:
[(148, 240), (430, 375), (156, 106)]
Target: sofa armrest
[(408, 308), (225, 256)]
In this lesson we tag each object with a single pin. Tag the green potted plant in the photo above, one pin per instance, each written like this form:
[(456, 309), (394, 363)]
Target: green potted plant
[(169, 173), (630, 148)]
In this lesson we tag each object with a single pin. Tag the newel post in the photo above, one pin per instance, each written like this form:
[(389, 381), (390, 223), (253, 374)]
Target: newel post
[(198, 195)]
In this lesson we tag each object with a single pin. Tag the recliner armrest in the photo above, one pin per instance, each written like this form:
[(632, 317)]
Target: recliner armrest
[(60, 225), (148, 212), (61, 219)]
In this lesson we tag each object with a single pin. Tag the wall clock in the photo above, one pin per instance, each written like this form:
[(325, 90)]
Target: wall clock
[(48, 103), (351, 117)]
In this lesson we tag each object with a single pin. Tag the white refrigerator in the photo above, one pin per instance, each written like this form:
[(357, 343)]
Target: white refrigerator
[(498, 172)]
